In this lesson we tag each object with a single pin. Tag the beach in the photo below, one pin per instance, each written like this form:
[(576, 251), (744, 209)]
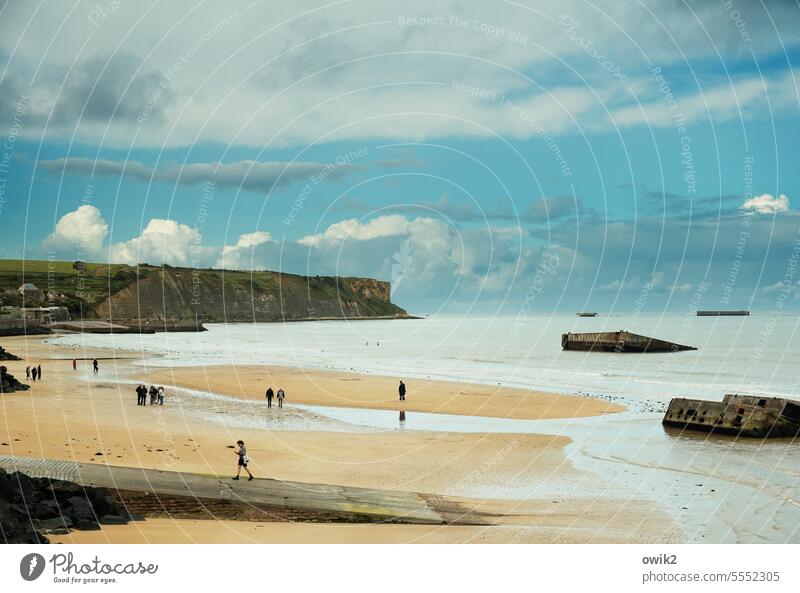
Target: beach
[(77, 415), (493, 416)]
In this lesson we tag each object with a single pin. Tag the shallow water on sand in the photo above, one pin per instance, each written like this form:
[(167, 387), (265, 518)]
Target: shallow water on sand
[(719, 489), (754, 354)]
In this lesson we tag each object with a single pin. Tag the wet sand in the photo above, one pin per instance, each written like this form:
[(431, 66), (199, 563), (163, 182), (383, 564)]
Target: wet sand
[(581, 528), (335, 389), (77, 415)]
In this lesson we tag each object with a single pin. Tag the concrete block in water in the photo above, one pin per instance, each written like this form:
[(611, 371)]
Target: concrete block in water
[(723, 313), (621, 341), (742, 415)]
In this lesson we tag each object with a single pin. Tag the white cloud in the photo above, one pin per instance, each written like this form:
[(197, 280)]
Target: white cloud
[(767, 204), (356, 70), (716, 102), (433, 258), (242, 254), (79, 233), (162, 241), (391, 225)]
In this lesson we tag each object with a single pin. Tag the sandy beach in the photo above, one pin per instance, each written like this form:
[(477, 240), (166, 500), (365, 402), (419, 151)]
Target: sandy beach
[(75, 415), (329, 388)]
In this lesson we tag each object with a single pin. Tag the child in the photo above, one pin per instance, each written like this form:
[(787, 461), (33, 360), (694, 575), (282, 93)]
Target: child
[(243, 461)]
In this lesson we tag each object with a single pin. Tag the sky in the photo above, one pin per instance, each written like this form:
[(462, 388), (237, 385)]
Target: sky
[(505, 157)]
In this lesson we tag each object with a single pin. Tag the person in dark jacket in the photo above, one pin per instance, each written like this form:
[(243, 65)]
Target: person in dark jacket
[(402, 391), (39, 369), (270, 395), (142, 393)]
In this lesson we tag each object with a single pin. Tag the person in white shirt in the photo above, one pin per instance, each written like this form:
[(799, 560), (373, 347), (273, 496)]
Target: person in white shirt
[(243, 461)]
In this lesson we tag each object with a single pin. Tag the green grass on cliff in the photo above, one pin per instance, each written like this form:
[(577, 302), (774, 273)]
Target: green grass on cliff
[(85, 289)]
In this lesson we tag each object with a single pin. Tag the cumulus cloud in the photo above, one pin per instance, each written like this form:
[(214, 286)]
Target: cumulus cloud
[(247, 175), (432, 261), (241, 255), (391, 225), (162, 241), (79, 233), (427, 259), (767, 204)]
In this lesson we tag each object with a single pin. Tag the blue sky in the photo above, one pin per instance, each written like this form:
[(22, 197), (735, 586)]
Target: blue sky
[(489, 158)]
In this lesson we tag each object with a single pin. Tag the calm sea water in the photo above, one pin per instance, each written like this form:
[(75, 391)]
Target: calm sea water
[(754, 354)]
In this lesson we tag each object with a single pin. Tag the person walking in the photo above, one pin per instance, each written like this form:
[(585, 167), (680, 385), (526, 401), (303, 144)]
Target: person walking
[(139, 395), (28, 373), (160, 395), (39, 372), (74, 364), (402, 391), (33, 374), (243, 461), (270, 395), (281, 394), (95, 366)]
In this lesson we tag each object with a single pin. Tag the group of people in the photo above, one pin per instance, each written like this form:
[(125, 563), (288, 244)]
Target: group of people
[(271, 394), (95, 365), (156, 395), (33, 373)]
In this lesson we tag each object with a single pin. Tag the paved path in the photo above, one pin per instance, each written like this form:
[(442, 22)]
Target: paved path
[(356, 504)]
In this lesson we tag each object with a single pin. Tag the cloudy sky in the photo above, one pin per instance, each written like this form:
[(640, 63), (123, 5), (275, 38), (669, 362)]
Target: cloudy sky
[(484, 157)]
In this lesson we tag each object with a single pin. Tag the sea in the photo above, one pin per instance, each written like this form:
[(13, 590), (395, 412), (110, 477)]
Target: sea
[(717, 489)]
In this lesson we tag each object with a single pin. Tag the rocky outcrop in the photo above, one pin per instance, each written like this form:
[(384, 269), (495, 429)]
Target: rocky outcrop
[(8, 384), (32, 508), (176, 294), (5, 355), (372, 289)]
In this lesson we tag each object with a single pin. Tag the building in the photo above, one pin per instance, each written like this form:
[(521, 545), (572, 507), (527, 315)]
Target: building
[(39, 314), (30, 291)]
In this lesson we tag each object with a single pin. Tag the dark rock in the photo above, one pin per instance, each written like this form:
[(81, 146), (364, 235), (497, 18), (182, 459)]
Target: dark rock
[(87, 525), (108, 505), (57, 523), (44, 509), (63, 490), (32, 507), (25, 487), (5, 355), (78, 507), (113, 520), (8, 384)]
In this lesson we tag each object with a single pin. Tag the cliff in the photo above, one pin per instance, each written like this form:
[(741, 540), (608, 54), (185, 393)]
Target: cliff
[(221, 295), (120, 293)]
